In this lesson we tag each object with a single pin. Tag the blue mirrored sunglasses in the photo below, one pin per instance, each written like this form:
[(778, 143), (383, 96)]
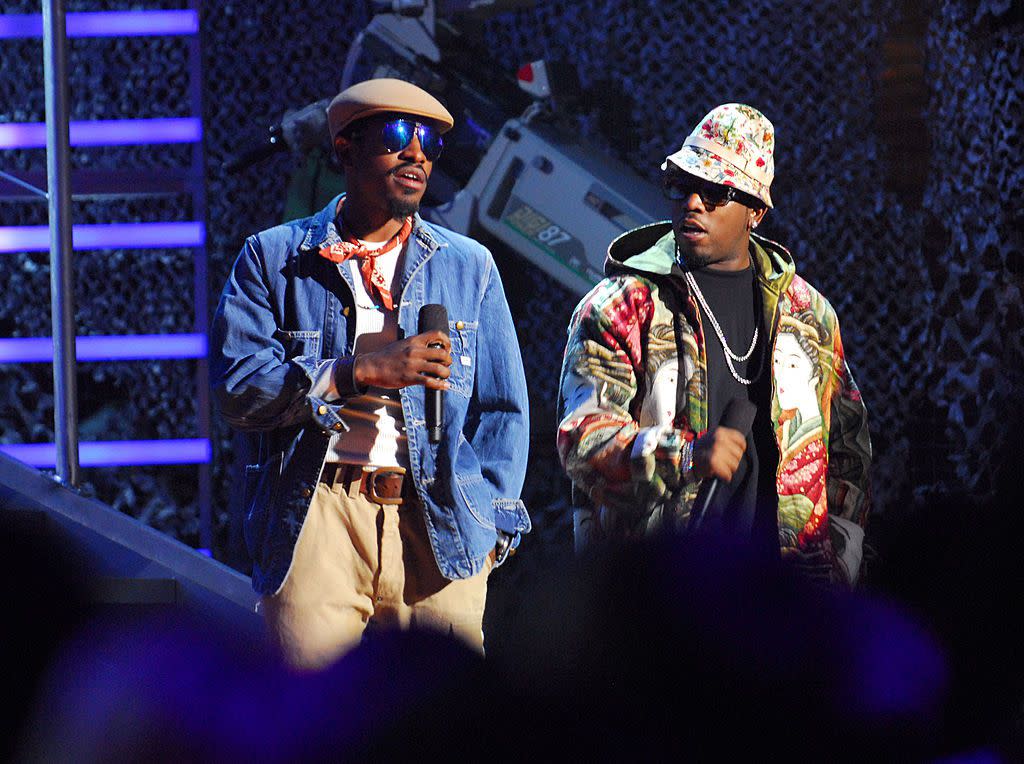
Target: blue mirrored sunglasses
[(396, 134)]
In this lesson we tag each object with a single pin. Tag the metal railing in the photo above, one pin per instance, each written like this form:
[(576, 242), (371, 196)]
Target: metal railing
[(55, 27)]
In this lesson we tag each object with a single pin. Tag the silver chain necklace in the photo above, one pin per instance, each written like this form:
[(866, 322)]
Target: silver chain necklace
[(729, 355)]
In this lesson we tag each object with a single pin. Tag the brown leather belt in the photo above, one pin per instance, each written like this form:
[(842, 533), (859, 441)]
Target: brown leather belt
[(383, 485)]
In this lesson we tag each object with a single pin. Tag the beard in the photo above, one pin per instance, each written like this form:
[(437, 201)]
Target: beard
[(402, 205), (400, 209), (691, 261)]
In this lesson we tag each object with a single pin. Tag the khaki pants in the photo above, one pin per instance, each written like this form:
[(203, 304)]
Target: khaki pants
[(358, 563)]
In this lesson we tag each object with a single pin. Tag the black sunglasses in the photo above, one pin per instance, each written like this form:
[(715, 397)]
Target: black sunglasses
[(681, 187), (396, 134)]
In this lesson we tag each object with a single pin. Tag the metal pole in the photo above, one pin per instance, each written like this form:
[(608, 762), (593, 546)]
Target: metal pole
[(62, 289), (201, 294)]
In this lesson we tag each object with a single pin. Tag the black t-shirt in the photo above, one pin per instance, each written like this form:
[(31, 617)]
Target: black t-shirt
[(747, 505)]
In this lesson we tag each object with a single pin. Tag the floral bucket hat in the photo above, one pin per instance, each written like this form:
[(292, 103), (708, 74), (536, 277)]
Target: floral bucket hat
[(734, 145)]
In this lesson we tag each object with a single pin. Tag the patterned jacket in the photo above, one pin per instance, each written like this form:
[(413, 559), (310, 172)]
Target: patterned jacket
[(641, 321)]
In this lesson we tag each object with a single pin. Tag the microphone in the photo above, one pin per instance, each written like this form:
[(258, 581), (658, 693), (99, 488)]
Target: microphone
[(738, 415), (434, 317), (300, 129)]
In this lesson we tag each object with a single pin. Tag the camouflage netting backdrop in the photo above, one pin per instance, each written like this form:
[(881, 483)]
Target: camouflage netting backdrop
[(927, 291)]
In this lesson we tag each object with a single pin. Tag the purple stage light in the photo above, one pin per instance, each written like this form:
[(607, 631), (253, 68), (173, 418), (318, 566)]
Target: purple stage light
[(116, 453), (107, 236), (106, 348), (105, 24), (106, 132)]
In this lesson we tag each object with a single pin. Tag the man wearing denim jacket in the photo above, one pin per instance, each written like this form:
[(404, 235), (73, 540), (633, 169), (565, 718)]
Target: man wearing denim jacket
[(353, 517)]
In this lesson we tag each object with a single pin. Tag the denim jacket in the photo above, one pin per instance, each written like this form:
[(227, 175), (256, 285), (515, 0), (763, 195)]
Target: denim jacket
[(286, 313)]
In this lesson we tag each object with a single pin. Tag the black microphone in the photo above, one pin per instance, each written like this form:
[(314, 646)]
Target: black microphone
[(738, 415), (300, 130), (434, 317)]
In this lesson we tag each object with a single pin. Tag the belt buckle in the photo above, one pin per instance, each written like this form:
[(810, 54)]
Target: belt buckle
[(503, 549), (371, 484)]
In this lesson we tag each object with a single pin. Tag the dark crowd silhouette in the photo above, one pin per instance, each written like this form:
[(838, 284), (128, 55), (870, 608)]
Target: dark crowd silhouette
[(668, 648)]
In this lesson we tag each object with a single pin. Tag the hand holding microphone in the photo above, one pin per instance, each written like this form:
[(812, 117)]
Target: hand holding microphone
[(419, 360), (717, 454), (433, 318), (422, 359)]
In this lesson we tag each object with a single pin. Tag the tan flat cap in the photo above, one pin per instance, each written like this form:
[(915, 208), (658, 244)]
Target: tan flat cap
[(370, 97)]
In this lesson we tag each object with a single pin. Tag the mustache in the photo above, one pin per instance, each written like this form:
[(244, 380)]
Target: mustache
[(404, 166)]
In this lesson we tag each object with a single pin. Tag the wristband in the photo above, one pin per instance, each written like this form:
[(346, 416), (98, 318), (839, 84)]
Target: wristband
[(345, 377)]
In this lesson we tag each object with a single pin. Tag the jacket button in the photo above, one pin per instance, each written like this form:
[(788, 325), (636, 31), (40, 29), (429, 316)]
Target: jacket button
[(306, 493), (460, 325), (322, 410), (344, 311), (336, 426)]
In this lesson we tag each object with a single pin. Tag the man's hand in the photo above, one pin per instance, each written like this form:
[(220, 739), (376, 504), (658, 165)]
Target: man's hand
[(718, 452), (407, 362)]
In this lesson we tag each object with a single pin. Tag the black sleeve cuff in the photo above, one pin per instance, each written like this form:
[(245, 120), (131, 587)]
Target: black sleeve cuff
[(344, 377)]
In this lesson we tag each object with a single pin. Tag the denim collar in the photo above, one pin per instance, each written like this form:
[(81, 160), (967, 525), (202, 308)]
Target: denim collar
[(322, 232)]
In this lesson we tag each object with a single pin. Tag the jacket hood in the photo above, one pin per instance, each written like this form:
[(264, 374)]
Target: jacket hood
[(651, 251)]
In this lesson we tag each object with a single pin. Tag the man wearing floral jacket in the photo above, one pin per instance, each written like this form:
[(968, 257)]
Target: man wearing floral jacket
[(696, 312)]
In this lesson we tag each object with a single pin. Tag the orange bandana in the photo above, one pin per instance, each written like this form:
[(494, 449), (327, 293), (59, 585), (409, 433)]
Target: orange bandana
[(374, 279)]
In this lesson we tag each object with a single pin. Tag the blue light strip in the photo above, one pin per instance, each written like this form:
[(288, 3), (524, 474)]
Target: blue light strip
[(105, 24), (117, 453), (133, 347), (106, 132), (36, 238)]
